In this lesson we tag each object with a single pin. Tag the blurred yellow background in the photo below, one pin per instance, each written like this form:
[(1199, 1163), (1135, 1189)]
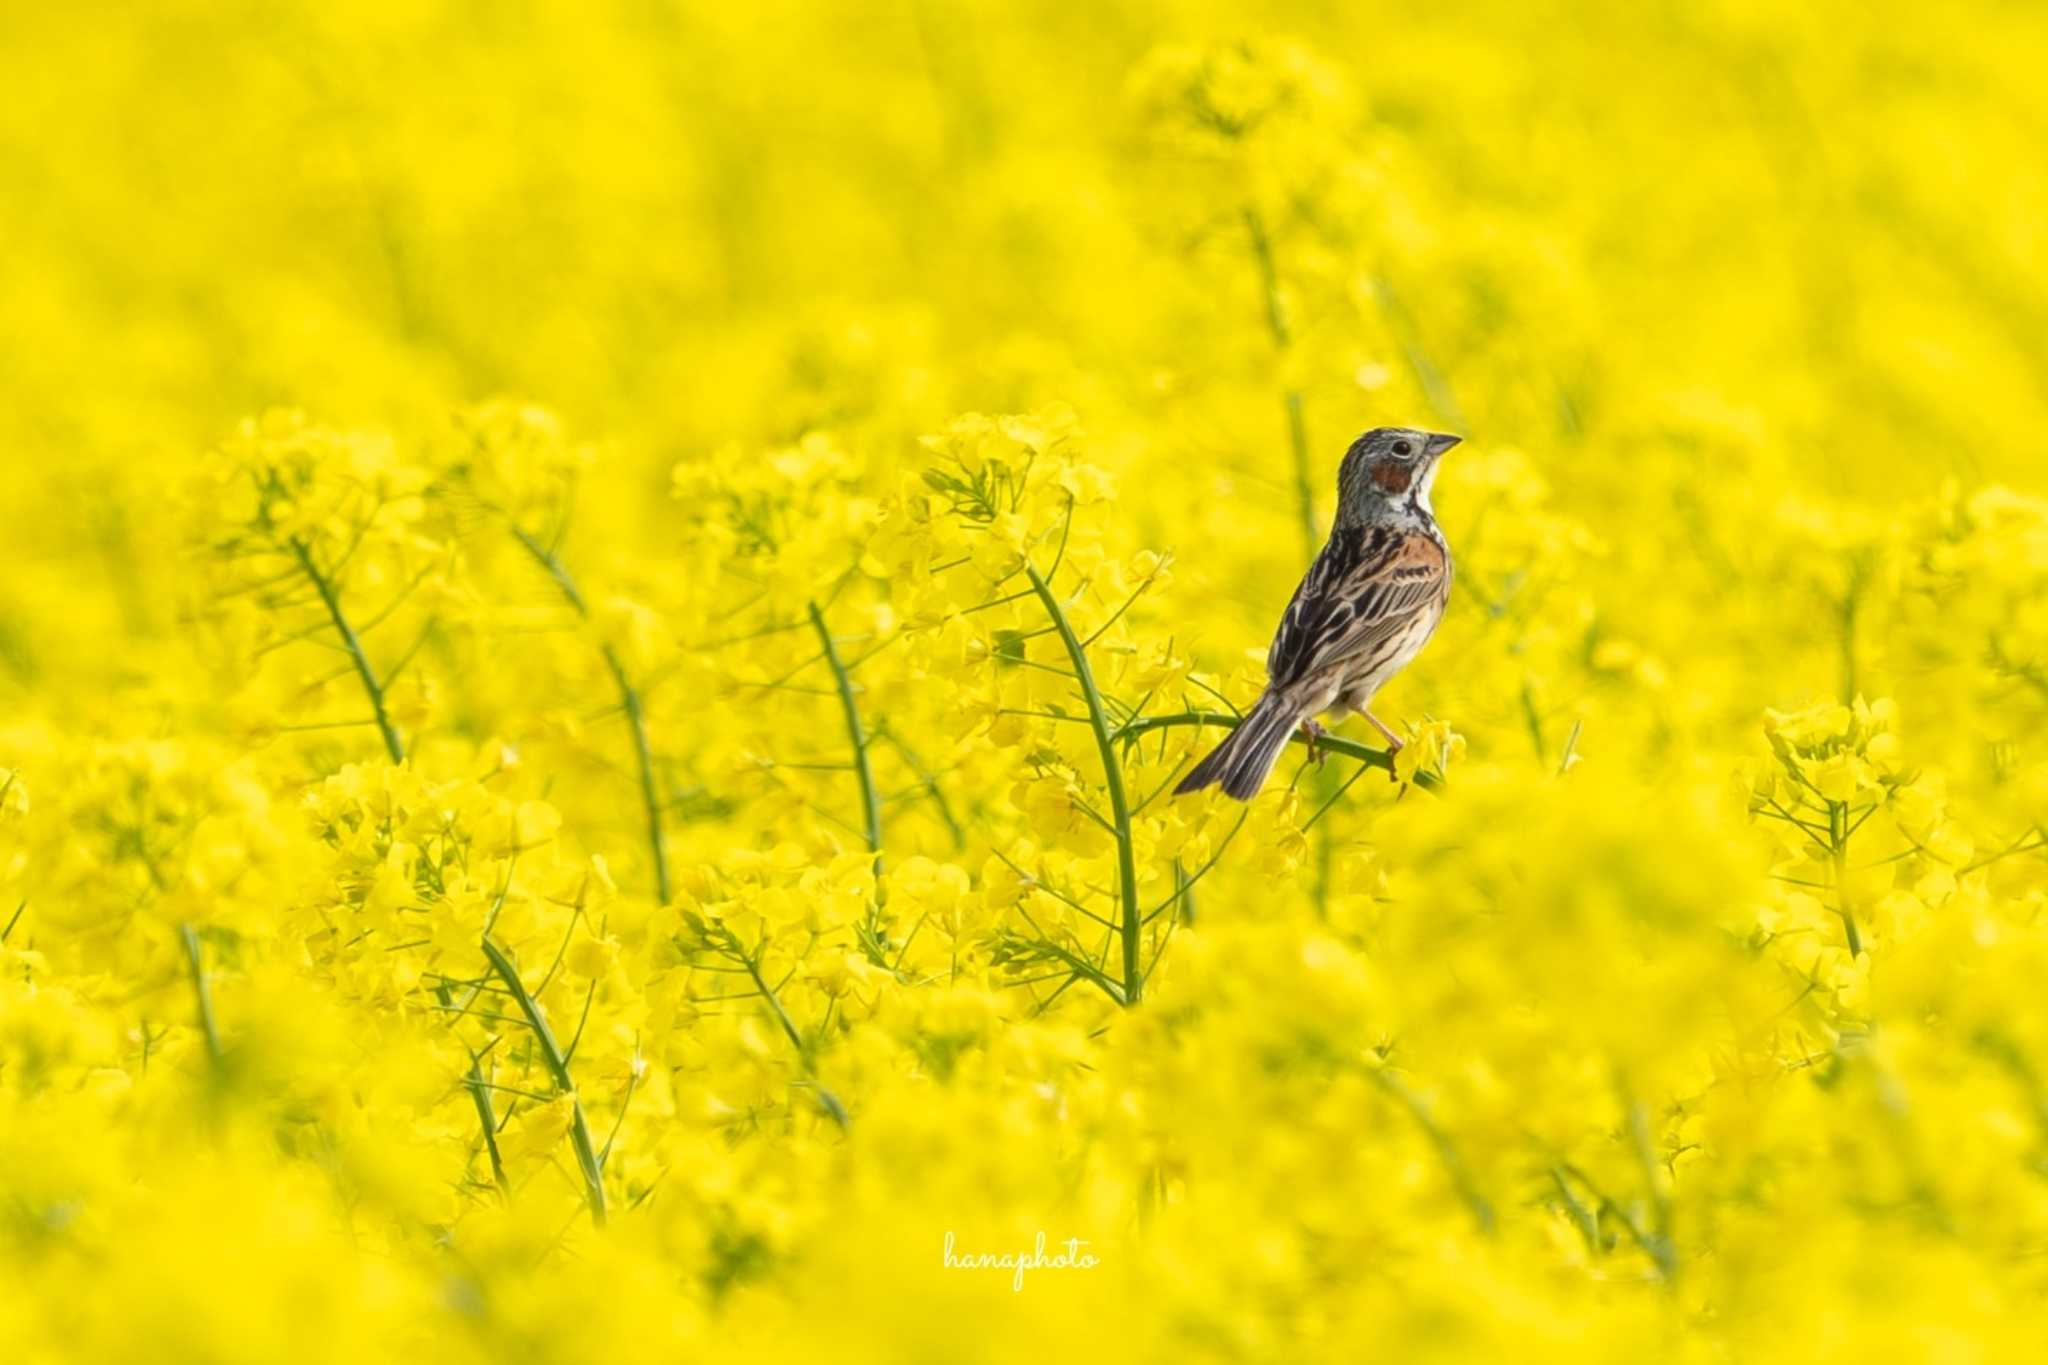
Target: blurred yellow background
[(479, 474)]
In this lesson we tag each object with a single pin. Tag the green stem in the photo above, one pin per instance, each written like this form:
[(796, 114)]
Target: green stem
[(1658, 1244), (1283, 340), (1581, 1216), (558, 1069), (863, 771), (1446, 1150), (629, 702), (930, 782), (1434, 386), (1113, 778), (353, 647), (1838, 848), (480, 1097), (643, 753), (828, 1101), (190, 939), (1304, 494), (1851, 609), (1304, 484), (1533, 719), (1606, 1207), (1325, 845), (1350, 748)]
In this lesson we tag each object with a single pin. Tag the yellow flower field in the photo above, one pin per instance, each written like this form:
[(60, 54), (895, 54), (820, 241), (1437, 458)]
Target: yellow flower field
[(602, 602)]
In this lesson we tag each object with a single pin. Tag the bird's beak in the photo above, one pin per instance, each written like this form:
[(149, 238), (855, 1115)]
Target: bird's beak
[(1439, 443)]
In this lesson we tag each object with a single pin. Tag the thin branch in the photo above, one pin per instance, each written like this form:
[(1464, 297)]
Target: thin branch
[(827, 1101), (558, 1069), (604, 1153), (353, 646), (1132, 928), (1184, 883), (1283, 341), (1658, 1244), (856, 733), (480, 1097), (1446, 1150), (1118, 615), (629, 701), (929, 780), (1335, 797), (190, 939)]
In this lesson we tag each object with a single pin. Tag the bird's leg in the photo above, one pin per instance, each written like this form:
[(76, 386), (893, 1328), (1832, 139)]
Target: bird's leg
[(1394, 742), (1315, 733)]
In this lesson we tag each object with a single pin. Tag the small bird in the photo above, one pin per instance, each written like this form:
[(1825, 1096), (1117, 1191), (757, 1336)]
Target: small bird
[(1365, 608)]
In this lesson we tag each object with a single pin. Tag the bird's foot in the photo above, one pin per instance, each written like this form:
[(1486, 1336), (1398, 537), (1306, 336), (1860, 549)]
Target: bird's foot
[(1316, 751), (1394, 743)]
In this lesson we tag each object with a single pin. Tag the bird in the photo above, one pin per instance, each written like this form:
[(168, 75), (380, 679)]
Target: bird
[(1365, 608)]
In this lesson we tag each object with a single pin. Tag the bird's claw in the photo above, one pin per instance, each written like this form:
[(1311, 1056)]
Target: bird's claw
[(1316, 752)]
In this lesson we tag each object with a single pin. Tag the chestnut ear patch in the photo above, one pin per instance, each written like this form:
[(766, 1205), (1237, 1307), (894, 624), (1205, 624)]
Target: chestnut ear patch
[(1391, 476)]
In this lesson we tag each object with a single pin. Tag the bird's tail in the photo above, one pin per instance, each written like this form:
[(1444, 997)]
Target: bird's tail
[(1242, 761)]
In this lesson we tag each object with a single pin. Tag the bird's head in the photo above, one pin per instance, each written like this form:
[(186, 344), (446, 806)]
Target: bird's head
[(1387, 471)]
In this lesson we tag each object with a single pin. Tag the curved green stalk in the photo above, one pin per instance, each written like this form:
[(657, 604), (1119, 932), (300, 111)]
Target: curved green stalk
[(827, 1101), (643, 753), (1304, 492), (863, 771), (480, 1097), (1283, 339), (1658, 1244), (190, 939), (1434, 386), (1446, 1150), (1132, 926), (629, 702), (1838, 857), (558, 1070), (353, 647)]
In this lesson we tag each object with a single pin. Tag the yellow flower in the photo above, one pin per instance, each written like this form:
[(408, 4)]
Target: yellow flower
[(1430, 748)]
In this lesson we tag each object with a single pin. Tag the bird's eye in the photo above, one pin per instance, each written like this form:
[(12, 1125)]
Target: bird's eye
[(1403, 448)]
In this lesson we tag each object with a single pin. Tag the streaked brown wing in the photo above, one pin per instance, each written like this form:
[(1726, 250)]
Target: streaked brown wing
[(1365, 585)]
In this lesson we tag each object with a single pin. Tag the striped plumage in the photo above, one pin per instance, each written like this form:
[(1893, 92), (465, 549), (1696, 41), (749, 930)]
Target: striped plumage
[(1365, 608)]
